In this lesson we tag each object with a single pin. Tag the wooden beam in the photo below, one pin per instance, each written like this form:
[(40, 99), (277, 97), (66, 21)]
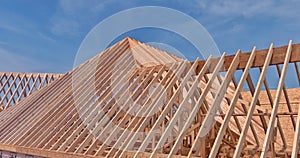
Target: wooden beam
[(269, 133), (261, 55), (40, 152), (296, 143), (51, 123), (162, 116), (124, 137), (181, 108), (241, 142), (297, 71), (219, 97), (133, 138), (28, 74), (59, 154), (259, 114), (191, 117), (203, 95), (272, 104), (230, 111), (288, 103)]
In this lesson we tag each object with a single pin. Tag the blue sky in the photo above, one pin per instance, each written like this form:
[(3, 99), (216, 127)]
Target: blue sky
[(44, 36)]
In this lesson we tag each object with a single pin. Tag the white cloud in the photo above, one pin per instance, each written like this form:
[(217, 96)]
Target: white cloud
[(18, 24), (233, 17), (46, 37), (229, 8), (12, 62), (10, 28), (236, 7), (64, 26), (72, 7), (74, 16)]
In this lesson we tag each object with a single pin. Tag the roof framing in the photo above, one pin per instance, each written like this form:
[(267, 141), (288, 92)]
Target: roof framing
[(174, 107), (14, 87)]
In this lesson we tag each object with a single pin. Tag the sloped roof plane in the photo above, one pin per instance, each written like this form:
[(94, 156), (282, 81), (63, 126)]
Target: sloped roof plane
[(133, 100)]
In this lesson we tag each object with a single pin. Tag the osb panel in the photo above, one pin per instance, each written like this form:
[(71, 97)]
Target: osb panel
[(285, 120)]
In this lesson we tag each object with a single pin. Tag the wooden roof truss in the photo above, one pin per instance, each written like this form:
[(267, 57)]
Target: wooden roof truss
[(126, 107), (14, 87)]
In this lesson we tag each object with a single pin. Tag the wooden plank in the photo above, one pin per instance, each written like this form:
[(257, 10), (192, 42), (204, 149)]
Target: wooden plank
[(39, 152), (178, 113), (54, 102), (191, 117), (224, 125), (28, 74), (272, 104), (118, 113), (205, 91), (132, 120), (12, 86), (92, 119), (22, 128), (130, 139), (269, 133), (241, 142), (252, 90), (39, 126), (6, 82), (288, 103), (8, 90), (34, 84), (23, 92), (296, 142), (209, 121), (42, 100), (277, 58), (297, 71), (162, 116), (89, 114), (142, 75), (43, 80), (15, 91)]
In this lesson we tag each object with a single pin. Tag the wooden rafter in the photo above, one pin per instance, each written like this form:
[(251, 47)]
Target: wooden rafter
[(276, 103), (133, 100), (13, 89)]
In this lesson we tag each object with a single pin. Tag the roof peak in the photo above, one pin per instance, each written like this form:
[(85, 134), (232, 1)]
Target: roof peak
[(144, 54)]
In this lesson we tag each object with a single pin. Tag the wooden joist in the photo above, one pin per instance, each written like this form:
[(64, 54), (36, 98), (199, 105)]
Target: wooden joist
[(133, 100)]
